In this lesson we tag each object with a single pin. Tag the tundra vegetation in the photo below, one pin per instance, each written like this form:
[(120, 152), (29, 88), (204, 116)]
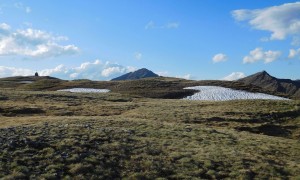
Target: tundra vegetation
[(126, 134)]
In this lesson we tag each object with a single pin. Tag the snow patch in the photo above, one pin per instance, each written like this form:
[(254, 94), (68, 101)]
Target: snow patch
[(216, 93), (85, 90)]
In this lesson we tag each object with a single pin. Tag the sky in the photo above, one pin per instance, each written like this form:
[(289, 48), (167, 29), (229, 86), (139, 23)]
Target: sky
[(192, 39)]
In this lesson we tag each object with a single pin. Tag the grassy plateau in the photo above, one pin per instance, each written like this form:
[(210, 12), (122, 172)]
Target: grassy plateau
[(131, 133)]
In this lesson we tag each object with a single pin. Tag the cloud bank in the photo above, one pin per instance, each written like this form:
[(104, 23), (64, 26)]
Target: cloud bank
[(281, 21), (96, 70), (32, 43), (259, 55)]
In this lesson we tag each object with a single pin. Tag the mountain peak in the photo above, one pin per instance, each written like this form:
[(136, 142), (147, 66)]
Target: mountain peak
[(264, 72), (261, 76), (138, 74), (268, 82)]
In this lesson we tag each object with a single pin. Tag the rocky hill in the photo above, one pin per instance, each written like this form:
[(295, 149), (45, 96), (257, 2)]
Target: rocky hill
[(139, 74), (270, 83)]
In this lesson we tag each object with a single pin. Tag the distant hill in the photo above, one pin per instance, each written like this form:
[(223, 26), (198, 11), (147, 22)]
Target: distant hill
[(26, 78), (30, 82), (270, 83), (139, 74)]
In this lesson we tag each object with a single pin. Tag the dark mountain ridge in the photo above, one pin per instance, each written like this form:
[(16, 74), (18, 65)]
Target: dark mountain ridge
[(270, 83), (139, 74)]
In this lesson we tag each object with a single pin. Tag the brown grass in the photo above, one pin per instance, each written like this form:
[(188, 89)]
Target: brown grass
[(55, 135)]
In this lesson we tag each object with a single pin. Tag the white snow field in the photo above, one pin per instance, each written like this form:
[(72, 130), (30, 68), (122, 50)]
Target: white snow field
[(85, 90), (216, 93)]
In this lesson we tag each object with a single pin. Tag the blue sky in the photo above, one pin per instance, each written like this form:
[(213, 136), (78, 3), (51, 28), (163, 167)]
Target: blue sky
[(194, 39)]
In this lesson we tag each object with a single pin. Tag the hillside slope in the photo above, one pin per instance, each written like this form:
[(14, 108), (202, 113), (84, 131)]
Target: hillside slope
[(270, 83)]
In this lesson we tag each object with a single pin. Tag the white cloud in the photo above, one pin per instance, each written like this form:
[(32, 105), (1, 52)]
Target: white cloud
[(234, 76), (112, 70), (12, 71), (259, 55), (32, 43), (169, 25), (294, 53), (241, 14), (138, 55), (219, 58), (96, 70), (4, 27), (60, 71), (21, 6), (281, 21)]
